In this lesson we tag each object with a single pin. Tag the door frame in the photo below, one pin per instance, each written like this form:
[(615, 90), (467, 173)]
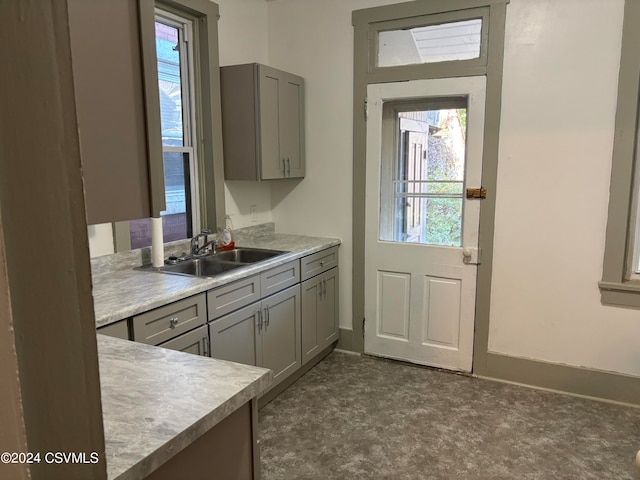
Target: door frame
[(367, 23)]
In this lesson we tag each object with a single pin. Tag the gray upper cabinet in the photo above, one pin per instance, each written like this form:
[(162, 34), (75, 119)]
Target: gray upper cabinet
[(262, 123), (118, 110)]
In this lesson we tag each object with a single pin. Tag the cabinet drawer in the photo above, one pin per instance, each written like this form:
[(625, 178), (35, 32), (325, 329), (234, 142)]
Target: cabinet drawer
[(319, 262), (279, 278), (231, 297), (164, 323), (196, 342)]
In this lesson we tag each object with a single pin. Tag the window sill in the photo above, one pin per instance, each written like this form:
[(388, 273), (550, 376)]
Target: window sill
[(620, 294)]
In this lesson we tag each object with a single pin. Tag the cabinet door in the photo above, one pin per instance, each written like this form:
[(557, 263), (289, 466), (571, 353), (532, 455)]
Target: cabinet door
[(311, 299), (280, 335), (328, 309), (117, 102), (196, 342), (233, 337), (271, 160), (319, 313), (292, 124)]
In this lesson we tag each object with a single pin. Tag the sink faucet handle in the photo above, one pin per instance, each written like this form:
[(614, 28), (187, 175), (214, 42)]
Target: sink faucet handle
[(205, 231)]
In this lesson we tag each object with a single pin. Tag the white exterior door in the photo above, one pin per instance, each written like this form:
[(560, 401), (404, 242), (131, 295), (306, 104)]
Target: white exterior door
[(424, 149)]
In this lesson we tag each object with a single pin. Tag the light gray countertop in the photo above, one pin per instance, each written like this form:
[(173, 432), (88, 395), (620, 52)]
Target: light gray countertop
[(124, 293), (156, 401)]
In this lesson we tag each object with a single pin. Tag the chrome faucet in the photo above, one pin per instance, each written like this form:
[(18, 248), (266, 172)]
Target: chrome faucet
[(195, 241)]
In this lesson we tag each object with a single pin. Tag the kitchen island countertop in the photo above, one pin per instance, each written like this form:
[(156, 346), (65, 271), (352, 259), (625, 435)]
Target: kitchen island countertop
[(156, 401)]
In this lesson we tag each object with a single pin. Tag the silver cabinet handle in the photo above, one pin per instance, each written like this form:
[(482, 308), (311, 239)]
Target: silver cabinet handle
[(266, 314), (205, 346), (320, 288), (173, 322), (288, 167), (284, 167), (324, 287), (259, 324)]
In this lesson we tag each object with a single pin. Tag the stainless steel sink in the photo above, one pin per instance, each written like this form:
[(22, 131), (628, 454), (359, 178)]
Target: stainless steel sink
[(247, 255), (220, 262), (200, 267)]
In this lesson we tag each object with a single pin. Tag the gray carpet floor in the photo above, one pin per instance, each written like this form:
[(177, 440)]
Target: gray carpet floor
[(356, 417)]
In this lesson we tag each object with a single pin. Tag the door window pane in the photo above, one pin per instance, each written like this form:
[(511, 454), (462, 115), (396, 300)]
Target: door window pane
[(430, 44), (427, 178)]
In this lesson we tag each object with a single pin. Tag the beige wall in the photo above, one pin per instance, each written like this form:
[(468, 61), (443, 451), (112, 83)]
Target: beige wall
[(314, 39), (559, 100), (243, 39)]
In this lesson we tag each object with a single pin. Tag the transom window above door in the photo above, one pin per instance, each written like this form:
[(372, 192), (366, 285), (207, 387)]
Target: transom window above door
[(430, 43)]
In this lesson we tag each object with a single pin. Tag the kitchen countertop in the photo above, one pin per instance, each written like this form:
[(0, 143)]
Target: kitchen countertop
[(125, 293), (139, 382)]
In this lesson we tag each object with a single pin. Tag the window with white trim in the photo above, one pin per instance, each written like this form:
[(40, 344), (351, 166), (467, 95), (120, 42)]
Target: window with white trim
[(175, 61)]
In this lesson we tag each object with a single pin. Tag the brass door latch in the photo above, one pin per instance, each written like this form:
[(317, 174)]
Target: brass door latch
[(477, 193)]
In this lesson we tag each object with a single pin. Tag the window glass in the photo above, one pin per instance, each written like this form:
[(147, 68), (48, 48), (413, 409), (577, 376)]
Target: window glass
[(427, 178), (169, 81), (430, 44), (180, 175)]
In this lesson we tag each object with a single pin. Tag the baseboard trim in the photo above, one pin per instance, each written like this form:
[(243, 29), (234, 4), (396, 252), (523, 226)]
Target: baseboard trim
[(584, 382), (345, 341)]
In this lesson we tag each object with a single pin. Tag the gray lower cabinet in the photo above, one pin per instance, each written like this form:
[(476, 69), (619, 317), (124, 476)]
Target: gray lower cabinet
[(319, 313), (264, 333), (196, 342), (117, 330)]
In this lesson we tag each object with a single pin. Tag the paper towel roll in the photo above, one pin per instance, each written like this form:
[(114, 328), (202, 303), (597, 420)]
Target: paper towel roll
[(157, 243)]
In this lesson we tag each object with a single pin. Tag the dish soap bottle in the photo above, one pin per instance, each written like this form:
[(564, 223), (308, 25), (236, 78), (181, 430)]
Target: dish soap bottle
[(226, 237)]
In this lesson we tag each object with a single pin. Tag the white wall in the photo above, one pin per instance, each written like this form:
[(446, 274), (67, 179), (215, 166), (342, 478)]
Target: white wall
[(559, 97)]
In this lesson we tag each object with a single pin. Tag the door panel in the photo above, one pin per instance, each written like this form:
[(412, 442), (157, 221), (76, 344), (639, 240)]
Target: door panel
[(442, 319), (394, 296), (424, 147)]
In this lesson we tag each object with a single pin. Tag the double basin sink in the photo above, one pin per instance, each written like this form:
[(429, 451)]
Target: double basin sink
[(220, 262)]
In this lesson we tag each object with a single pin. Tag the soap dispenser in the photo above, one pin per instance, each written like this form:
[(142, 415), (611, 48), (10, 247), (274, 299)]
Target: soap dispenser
[(227, 241)]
